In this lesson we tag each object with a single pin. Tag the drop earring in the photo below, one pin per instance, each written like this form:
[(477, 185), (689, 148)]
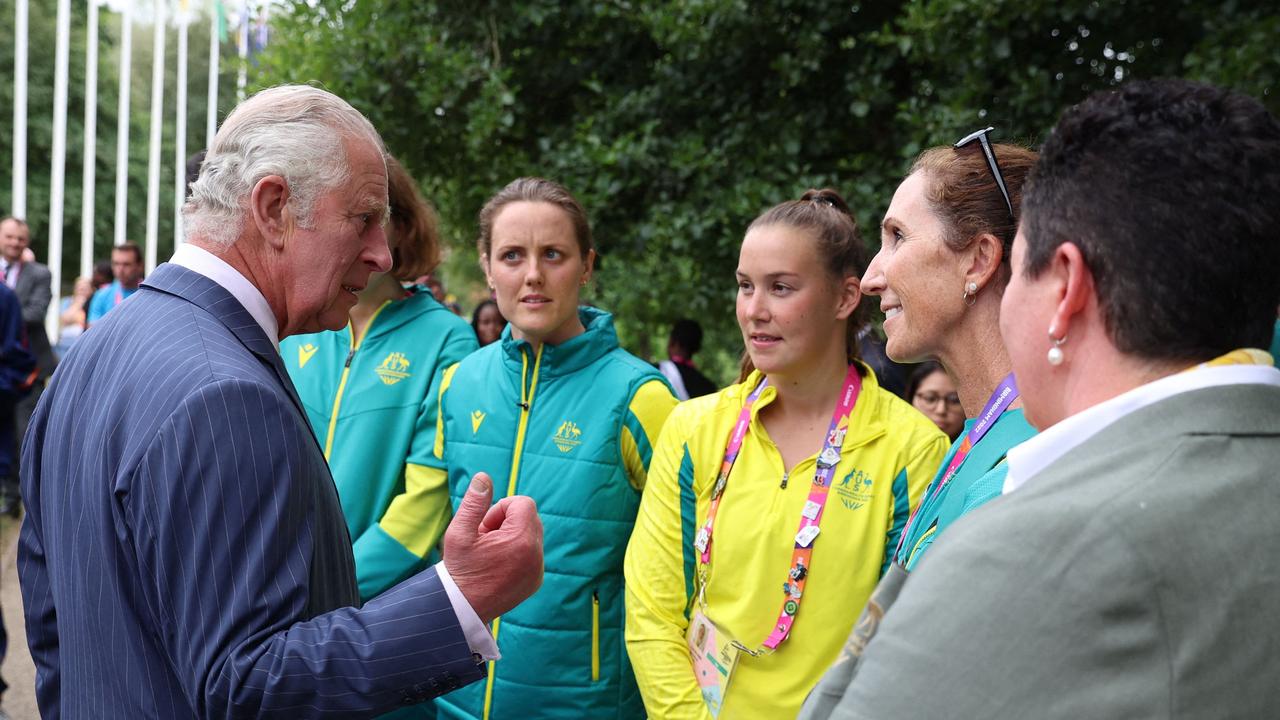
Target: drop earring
[(1055, 356), (970, 293)]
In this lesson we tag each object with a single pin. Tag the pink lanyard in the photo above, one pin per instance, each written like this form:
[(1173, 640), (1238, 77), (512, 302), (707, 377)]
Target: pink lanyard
[(810, 516)]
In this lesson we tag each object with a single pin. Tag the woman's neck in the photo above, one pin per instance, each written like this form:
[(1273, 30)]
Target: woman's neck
[(976, 360), (382, 287), (812, 392)]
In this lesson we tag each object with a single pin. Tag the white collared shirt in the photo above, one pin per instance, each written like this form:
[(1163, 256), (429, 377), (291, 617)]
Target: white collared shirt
[(1031, 457), (199, 260)]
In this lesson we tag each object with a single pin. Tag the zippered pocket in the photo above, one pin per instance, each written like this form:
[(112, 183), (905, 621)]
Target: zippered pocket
[(595, 636)]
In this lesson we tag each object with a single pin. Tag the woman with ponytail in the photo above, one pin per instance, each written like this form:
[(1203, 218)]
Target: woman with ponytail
[(773, 506)]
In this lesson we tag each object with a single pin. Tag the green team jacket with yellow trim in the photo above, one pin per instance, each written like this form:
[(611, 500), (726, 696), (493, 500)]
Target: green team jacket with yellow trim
[(571, 426), (889, 455), (373, 407)]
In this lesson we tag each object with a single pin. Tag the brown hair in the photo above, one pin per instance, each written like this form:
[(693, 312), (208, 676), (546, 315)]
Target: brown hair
[(129, 248), (414, 223), (964, 194), (826, 217), (534, 189)]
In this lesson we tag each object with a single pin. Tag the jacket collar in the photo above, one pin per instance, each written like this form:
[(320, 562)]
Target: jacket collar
[(213, 298), (598, 340), (867, 415)]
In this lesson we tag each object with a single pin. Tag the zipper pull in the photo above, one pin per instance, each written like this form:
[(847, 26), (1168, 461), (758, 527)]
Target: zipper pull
[(783, 486), (350, 354)]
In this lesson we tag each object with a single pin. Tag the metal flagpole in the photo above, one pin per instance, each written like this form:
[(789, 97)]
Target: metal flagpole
[(180, 128), (215, 47), (58, 169), (242, 74), (157, 117), (122, 123), (90, 141), (19, 197)]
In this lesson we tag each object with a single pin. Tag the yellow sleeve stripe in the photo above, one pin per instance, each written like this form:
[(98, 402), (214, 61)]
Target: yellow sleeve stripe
[(646, 414), (417, 517), (445, 380)]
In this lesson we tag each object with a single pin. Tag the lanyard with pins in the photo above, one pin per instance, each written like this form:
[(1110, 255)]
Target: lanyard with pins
[(810, 516)]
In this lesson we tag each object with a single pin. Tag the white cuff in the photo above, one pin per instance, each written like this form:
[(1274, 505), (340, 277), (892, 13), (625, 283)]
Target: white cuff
[(477, 633)]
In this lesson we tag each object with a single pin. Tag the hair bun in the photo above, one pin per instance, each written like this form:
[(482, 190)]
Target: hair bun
[(827, 196)]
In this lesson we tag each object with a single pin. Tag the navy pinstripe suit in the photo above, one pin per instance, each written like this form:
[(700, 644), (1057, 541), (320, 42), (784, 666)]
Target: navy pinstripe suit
[(184, 552)]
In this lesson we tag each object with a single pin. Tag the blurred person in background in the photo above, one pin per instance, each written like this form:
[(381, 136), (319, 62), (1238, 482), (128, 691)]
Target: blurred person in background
[(684, 343), (932, 392), (75, 315), (102, 275), (735, 604), (487, 322), (126, 268), (555, 410)]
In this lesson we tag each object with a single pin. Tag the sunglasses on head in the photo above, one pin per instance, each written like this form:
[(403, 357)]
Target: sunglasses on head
[(981, 138)]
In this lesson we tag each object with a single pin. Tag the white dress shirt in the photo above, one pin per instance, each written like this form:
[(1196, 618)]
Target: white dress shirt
[(202, 261), (1028, 459)]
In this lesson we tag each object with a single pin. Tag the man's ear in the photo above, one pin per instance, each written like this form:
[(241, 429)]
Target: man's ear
[(270, 212)]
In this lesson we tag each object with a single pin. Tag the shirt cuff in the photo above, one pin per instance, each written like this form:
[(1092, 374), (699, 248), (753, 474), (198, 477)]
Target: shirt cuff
[(476, 632)]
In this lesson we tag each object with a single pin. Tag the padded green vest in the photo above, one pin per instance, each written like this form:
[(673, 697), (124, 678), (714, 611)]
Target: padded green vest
[(563, 652)]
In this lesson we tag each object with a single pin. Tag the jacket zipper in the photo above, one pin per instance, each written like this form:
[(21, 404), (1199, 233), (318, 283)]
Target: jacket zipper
[(595, 636), (527, 390), (346, 370)]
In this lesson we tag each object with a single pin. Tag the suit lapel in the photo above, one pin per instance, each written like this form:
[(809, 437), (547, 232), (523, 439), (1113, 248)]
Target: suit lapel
[(222, 305)]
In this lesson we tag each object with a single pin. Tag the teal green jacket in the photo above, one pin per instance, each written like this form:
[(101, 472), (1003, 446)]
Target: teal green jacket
[(979, 479), (372, 404), (573, 427)]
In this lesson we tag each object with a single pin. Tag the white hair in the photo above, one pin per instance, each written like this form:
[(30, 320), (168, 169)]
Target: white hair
[(295, 131)]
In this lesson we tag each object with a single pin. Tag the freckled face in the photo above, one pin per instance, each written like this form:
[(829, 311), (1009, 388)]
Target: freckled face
[(788, 305), (537, 269)]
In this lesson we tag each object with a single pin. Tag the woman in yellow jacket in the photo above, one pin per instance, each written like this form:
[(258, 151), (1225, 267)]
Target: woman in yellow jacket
[(774, 505)]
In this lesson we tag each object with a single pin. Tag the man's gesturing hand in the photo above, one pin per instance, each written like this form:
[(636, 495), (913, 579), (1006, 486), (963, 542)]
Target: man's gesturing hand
[(494, 554)]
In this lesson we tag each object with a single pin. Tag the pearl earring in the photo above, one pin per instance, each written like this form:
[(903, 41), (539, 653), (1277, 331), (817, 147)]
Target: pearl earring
[(1055, 356), (970, 293)]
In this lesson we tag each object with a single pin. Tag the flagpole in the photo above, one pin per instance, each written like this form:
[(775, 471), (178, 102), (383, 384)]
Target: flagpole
[(242, 74), (19, 196), (157, 118), (90, 141), (180, 129), (122, 123), (58, 169), (215, 47)]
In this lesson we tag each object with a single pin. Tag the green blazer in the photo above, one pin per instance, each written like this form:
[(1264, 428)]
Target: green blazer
[(1136, 577)]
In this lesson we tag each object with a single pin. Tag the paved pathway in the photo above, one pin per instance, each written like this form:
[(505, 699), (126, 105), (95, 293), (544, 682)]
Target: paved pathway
[(17, 669)]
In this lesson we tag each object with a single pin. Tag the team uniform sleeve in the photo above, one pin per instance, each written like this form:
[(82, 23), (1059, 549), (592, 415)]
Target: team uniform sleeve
[(660, 579), (223, 537), (922, 458), (399, 543), (646, 414)]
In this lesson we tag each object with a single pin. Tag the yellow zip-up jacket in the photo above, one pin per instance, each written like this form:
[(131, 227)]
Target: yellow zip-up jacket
[(888, 457)]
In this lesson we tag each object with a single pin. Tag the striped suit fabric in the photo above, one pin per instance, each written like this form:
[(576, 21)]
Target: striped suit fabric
[(184, 552)]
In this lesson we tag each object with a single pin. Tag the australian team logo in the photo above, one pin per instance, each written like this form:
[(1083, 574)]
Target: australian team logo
[(394, 368), (855, 489), (477, 417), (566, 437)]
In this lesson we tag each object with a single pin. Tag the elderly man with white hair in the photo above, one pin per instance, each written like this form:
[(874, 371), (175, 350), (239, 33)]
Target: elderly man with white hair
[(184, 553)]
